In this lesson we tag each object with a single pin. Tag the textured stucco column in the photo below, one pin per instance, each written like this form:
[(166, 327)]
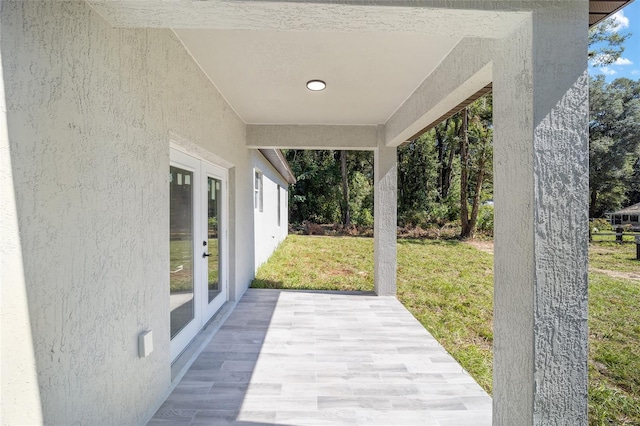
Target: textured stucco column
[(385, 212), (541, 187)]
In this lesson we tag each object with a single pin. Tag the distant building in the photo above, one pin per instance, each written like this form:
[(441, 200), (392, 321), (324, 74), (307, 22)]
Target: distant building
[(627, 216)]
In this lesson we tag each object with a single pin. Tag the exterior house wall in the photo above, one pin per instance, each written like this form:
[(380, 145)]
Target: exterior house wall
[(625, 219), (268, 233), (90, 114)]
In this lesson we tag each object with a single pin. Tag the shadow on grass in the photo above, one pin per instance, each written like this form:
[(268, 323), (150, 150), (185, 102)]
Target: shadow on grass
[(260, 283), (428, 242), (279, 285)]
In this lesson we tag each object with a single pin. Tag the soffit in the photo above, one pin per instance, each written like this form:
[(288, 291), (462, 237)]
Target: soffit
[(262, 74), (601, 9)]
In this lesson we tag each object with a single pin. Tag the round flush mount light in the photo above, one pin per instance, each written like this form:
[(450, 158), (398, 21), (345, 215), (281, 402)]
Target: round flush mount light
[(316, 85)]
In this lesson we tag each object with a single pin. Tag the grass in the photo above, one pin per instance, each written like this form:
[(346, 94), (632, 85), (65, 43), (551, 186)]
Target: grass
[(614, 257), (610, 237), (614, 350), (452, 299), (319, 263), (181, 265), (448, 287)]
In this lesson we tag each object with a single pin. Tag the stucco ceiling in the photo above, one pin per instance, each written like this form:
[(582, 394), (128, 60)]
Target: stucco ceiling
[(262, 74), (372, 54)]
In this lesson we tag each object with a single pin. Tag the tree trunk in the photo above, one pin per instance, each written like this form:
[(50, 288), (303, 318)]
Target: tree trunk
[(346, 219), (464, 176), (476, 199), (445, 159), (592, 203), (448, 173), (440, 143)]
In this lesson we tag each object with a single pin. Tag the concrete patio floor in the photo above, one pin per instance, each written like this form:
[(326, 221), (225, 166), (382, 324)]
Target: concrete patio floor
[(316, 358)]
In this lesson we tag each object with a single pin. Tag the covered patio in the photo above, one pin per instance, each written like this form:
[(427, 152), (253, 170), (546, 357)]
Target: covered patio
[(96, 96), (316, 358)]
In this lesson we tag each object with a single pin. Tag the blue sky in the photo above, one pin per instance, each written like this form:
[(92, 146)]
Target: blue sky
[(628, 65)]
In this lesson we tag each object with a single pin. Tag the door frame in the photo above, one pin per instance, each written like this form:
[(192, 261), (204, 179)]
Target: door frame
[(203, 310), (210, 308)]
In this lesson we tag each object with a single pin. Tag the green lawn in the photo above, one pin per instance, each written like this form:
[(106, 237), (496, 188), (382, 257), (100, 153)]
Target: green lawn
[(181, 264), (448, 287), (320, 263), (614, 256)]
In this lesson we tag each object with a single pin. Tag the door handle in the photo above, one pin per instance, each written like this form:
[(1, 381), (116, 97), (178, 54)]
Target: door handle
[(205, 254)]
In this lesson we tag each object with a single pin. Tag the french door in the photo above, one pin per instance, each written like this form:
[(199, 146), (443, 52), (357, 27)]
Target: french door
[(197, 244)]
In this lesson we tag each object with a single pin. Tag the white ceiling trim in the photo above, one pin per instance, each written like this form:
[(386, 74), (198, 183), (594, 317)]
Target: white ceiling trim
[(451, 18)]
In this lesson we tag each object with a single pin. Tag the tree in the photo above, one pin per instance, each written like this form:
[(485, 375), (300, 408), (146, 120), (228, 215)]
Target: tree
[(446, 134), (346, 218), (633, 194), (446, 173), (475, 161), (332, 186), (417, 189), (316, 194), (614, 142), (606, 42)]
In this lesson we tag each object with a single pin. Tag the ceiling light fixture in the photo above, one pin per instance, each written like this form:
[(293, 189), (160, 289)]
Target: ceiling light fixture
[(316, 85)]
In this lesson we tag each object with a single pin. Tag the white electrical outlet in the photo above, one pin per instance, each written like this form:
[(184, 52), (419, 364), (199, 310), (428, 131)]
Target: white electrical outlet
[(145, 343)]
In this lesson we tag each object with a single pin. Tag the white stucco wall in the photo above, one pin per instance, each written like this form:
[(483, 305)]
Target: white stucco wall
[(268, 234), (90, 114)]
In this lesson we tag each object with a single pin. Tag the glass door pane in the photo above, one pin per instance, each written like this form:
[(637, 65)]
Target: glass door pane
[(214, 241), (181, 249)]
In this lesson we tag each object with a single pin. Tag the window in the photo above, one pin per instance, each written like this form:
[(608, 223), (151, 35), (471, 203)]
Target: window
[(278, 205), (625, 218), (258, 199), (633, 218)]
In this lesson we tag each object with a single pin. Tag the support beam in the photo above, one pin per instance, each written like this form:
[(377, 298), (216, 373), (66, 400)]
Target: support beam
[(541, 187), (440, 17), (463, 72), (385, 202), (312, 137)]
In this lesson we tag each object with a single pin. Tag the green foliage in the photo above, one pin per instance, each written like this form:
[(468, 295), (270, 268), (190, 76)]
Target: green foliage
[(485, 218), (476, 163), (599, 225), (606, 43), (414, 218), (614, 143), (361, 199), (317, 195), (417, 173), (429, 169)]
